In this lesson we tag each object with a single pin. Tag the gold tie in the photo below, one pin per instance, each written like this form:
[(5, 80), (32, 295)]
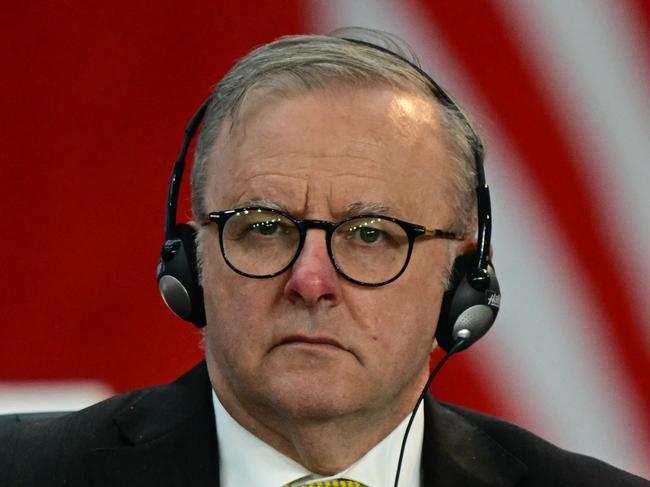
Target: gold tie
[(332, 483)]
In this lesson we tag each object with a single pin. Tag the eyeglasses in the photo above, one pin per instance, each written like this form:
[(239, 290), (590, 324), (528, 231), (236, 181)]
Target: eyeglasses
[(370, 250)]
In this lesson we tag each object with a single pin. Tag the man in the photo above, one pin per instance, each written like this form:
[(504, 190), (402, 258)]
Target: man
[(323, 170)]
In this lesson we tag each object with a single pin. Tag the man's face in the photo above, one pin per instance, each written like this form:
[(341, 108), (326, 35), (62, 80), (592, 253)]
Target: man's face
[(308, 344)]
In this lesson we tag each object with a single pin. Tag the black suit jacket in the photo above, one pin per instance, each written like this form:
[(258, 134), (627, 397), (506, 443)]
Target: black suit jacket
[(165, 436)]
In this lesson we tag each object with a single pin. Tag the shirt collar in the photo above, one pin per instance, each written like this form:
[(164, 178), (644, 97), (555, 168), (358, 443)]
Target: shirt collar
[(244, 459)]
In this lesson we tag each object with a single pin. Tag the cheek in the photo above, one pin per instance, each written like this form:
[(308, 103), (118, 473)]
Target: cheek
[(411, 307), (234, 312), (402, 320)]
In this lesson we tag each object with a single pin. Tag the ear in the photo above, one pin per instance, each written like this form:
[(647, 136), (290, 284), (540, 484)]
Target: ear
[(469, 246), (464, 247)]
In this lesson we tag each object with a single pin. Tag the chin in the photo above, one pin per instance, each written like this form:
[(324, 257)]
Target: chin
[(309, 397)]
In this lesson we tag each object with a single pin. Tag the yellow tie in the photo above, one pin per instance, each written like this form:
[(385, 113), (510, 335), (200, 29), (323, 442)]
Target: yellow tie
[(332, 483)]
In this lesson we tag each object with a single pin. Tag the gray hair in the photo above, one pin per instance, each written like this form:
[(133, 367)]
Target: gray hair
[(298, 64)]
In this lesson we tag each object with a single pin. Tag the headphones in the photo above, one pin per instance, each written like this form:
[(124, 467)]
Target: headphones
[(469, 306)]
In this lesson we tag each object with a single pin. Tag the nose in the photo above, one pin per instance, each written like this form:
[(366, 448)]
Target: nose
[(313, 279)]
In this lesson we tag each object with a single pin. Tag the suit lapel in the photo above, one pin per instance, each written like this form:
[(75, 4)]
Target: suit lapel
[(457, 453), (169, 438)]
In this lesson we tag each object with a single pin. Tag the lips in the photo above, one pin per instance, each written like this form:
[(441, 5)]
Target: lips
[(311, 340)]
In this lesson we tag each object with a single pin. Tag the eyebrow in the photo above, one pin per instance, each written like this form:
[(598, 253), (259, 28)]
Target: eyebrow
[(356, 208), (264, 203), (361, 207)]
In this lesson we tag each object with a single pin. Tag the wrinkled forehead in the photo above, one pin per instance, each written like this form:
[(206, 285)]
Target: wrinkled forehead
[(378, 145)]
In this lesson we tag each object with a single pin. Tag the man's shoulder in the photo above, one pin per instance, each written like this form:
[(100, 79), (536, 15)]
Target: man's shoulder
[(83, 425), (37, 446), (545, 463)]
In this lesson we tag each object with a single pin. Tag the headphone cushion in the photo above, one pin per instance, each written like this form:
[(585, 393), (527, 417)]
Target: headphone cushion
[(466, 308), (178, 280)]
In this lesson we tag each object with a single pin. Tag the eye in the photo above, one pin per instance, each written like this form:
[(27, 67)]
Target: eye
[(258, 225), (267, 228), (365, 231), (369, 235), (272, 228)]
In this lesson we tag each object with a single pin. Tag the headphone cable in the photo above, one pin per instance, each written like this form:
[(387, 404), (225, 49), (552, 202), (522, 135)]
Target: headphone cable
[(458, 345)]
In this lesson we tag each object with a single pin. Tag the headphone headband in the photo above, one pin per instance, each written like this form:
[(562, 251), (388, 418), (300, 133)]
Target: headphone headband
[(179, 168)]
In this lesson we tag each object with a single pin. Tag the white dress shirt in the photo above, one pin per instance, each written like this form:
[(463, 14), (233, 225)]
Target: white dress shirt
[(244, 459)]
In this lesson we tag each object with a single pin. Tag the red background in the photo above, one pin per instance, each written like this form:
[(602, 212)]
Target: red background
[(94, 109), (94, 98), (94, 106)]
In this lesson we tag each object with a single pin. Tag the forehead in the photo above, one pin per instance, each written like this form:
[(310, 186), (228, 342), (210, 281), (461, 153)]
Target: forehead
[(326, 150)]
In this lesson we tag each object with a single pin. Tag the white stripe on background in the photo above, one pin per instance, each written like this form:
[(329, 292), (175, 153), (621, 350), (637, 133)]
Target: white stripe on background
[(40, 396), (595, 58), (543, 357), (548, 331)]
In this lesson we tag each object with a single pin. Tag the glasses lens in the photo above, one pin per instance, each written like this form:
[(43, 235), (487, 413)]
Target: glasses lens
[(259, 242), (370, 250)]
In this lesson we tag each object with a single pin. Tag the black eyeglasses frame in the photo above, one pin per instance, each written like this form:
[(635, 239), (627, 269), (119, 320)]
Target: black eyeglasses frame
[(412, 231)]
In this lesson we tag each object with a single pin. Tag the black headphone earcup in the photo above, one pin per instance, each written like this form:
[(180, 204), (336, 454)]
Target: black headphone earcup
[(178, 279), (467, 312)]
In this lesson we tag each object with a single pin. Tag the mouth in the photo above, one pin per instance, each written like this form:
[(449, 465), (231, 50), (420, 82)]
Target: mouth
[(313, 341)]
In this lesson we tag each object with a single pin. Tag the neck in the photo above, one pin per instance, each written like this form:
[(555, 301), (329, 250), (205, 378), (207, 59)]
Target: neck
[(323, 445)]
